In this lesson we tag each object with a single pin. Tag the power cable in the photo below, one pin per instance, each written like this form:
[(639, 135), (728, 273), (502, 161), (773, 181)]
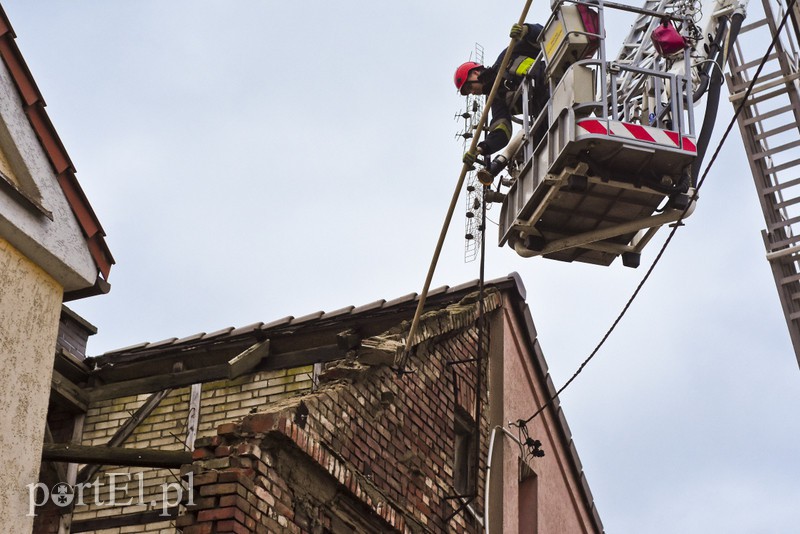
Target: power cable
[(482, 347), (522, 422)]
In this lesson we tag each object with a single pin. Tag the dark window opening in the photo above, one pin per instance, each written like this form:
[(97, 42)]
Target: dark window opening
[(464, 457), (527, 500)]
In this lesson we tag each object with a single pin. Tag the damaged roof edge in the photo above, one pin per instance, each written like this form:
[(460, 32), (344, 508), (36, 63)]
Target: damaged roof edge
[(34, 105), (443, 293), (511, 285)]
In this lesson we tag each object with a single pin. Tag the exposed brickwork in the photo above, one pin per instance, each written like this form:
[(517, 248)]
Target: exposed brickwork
[(363, 450), (366, 436), (74, 332), (165, 429)]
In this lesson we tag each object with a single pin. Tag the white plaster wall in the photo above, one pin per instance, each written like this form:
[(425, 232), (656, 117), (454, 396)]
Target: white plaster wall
[(58, 246), (30, 303)]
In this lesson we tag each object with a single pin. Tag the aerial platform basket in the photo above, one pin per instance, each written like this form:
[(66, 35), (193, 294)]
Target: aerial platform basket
[(598, 172)]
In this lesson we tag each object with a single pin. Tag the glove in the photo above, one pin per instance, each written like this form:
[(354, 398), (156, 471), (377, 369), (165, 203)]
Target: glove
[(471, 157), (518, 31)]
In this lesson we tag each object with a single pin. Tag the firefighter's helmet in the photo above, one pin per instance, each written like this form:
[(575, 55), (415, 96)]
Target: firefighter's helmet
[(462, 73)]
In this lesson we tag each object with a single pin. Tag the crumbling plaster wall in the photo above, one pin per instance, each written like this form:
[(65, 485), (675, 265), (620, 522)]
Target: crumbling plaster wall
[(30, 305)]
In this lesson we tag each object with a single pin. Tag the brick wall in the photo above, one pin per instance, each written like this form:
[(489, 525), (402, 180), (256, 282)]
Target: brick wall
[(74, 332), (367, 451), (165, 428)]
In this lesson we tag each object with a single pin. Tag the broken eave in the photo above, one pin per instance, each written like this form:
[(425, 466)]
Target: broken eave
[(294, 342)]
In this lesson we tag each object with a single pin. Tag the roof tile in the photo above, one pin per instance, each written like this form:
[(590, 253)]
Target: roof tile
[(400, 300), (335, 313), (129, 348), (246, 329), (472, 284), (438, 291), (367, 307), (219, 333), (278, 322), (162, 343), (193, 337), (308, 318)]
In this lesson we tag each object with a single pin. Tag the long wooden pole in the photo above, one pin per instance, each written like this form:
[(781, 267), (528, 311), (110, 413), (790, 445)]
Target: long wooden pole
[(464, 169), (101, 455)]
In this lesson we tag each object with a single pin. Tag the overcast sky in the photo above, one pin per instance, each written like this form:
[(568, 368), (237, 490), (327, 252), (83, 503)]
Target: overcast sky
[(256, 159)]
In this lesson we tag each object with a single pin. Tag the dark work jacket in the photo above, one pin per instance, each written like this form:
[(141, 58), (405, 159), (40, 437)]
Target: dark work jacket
[(499, 131)]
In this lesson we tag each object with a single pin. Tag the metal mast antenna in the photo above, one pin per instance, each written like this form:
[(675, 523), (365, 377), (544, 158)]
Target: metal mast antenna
[(471, 114)]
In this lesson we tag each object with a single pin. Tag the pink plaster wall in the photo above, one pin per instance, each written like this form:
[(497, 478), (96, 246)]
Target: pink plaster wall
[(561, 505)]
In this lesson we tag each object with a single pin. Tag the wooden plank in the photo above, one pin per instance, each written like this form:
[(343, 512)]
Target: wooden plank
[(348, 340), (68, 392), (300, 358), (150, 384), (61, 473), (100, 455), (126, 430), (194, 416), (247, 360), (125, 520)]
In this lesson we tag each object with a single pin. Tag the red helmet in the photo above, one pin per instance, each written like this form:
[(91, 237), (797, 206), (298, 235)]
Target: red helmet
[(462, 73)]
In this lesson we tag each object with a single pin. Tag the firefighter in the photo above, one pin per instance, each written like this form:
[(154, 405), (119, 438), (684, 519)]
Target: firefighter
[(474, 78)]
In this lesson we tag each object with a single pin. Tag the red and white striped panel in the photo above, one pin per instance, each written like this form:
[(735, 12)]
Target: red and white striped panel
[(626, 130)]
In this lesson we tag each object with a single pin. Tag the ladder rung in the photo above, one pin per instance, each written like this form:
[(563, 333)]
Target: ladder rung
[(754, 63), (789, 279), (783, 224), (787, 203), (775, 131), (781, 186), (788, 242), (753, 100), (762, 78), (782, 254), (794, 316), (768, 115), (783, 81), (776, 150), (752, 26), (779, 168)]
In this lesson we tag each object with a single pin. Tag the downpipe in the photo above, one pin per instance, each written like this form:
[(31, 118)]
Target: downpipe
[(492, 439)]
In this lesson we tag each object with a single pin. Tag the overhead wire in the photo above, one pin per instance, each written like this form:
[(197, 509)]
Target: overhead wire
[(522, 422)]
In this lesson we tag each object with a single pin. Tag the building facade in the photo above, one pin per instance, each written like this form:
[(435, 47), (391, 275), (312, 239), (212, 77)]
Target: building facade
[(323, 424), (52, 249)]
